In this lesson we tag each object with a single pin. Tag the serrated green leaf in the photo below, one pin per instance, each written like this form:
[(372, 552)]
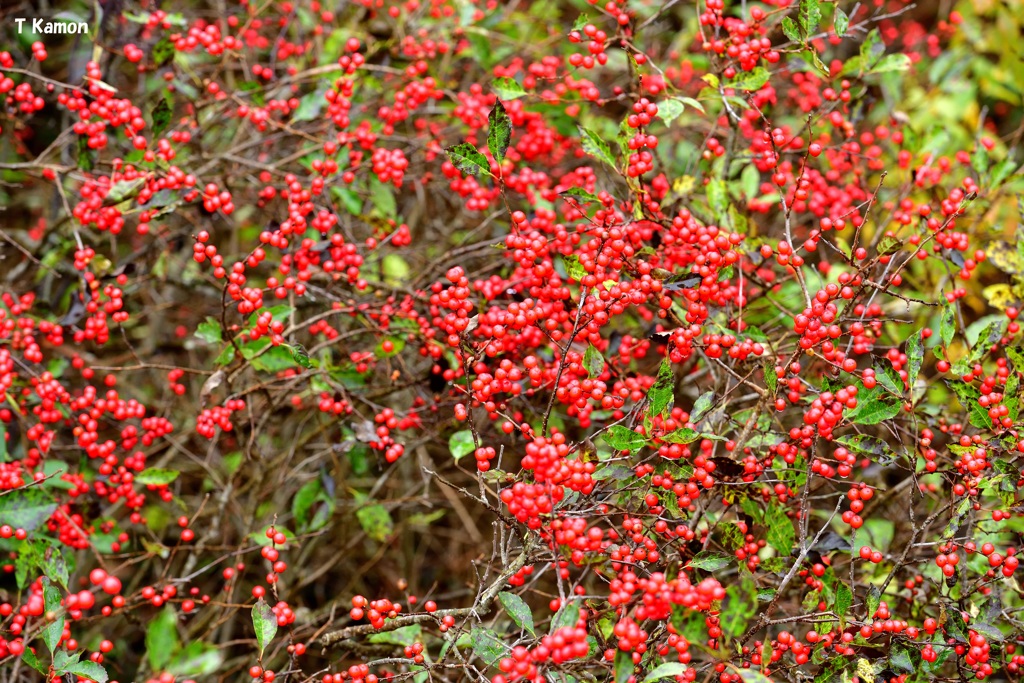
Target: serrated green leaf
[(790, 29), (499, 131), (873, 406)]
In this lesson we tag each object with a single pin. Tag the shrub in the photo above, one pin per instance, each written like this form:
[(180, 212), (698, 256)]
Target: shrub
[(447, 340)]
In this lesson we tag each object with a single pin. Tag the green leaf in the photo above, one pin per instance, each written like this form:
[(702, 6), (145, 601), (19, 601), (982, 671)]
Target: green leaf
[(596, 147), (893, 62), (499, 131), (382, 198), (669, 110), (683, 435), (624, 439), (395, 268), (162, 638), (710, 561), (406, 635), (376, 522), (461, 444), (467, 159), (781, 534), (771, 380), (969, 396), (874, 406), (899, 658), (196, 659), (947, 324), (840, 22), (871, 446), (789, 28), (487, 645), (915, 357), (874, 599), (260, 537), (264, 622), (809, 16), (30, 658), (26, 508), (573, 268), (593, 361), (843, 601), (161, 117), (623, 666), (51, 602), (567, 615), (507, 88), (701, 406), (88, 669), (581, 194), (661, 394), (163, 51), (518, 610), (156, 477), (718, 197), (123, 190), (752, 80), (666, 670), (209, 331)]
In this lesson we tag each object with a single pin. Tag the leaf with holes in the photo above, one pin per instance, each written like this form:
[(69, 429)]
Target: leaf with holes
[(499, 131), (467, 159), (264, 621), (518, 610)]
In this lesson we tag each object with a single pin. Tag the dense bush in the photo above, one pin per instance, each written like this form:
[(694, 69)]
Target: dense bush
[(497, 341)]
